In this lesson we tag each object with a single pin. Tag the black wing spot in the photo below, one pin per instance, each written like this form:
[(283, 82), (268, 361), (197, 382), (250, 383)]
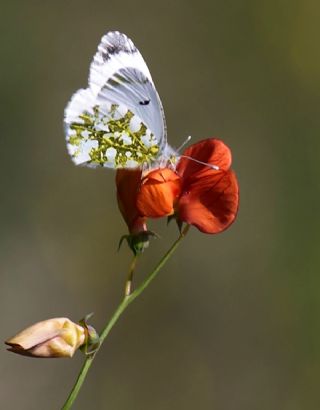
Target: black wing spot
[(144, 102)]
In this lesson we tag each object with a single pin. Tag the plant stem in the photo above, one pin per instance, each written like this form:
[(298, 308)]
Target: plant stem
[(120, 309), (129, 281)]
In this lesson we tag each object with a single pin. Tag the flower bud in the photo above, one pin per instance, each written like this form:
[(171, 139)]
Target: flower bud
[(58, 337)]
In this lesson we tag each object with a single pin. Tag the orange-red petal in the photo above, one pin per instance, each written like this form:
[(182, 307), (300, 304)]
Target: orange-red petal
[(158, 193), (211, 203), (210, 151), (128, 183), (209, 197)]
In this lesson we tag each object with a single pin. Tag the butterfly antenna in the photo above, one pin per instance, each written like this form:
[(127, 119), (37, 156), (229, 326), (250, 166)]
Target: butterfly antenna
[(184, 143), (215, 167)]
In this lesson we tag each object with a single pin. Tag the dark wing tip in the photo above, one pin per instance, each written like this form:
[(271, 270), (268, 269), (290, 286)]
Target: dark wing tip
[(113, 43)]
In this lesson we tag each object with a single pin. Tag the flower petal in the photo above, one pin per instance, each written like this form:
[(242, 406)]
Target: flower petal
[(210, 151), (38, 333), (57, 337), (128, 182), (211, 202), (159, 191)]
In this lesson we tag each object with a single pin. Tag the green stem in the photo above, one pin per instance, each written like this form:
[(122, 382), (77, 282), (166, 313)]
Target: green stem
[(129, 281), (120, 309)]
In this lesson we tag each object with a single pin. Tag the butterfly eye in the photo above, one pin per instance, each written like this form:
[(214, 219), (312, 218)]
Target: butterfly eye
[(144, 102)]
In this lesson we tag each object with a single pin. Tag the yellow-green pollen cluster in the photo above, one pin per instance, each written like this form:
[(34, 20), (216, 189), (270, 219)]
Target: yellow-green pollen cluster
[(128, 145)]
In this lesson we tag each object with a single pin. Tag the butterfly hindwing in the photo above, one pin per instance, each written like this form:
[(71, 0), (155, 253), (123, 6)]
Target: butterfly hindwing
[(118, 121)]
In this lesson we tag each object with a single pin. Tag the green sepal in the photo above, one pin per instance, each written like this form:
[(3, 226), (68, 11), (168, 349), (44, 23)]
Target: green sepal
[(180, 224), (138, 242), (170, 218), (92, 341), (175, 217)]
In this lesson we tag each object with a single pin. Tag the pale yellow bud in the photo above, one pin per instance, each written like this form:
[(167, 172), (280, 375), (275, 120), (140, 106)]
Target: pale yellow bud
[(58, 337)]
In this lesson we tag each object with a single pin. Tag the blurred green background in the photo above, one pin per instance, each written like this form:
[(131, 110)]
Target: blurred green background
[(232, 322)]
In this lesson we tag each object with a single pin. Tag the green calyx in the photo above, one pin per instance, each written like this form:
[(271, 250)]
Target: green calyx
[(138, 242), (92, 339)]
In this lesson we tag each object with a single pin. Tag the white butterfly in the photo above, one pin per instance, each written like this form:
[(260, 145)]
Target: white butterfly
[(118, 121)]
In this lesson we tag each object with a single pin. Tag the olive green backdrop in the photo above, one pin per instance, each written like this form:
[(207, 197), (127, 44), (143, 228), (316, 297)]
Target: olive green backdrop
[(232, 322)]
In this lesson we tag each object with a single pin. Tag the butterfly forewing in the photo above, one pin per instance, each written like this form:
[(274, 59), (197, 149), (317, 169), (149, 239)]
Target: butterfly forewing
[(118, 121)]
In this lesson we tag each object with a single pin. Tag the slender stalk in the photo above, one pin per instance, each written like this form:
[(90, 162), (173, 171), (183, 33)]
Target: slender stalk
[(129, 281), (120, 309), (77, 386)]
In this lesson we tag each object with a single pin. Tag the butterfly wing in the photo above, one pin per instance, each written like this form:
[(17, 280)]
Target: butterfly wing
[(118, 121)]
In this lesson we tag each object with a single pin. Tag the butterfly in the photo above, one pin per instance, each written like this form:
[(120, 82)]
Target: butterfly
[(118, 121)]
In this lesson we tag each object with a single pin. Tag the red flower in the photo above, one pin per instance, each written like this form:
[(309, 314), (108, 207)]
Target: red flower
[(195, 192)]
